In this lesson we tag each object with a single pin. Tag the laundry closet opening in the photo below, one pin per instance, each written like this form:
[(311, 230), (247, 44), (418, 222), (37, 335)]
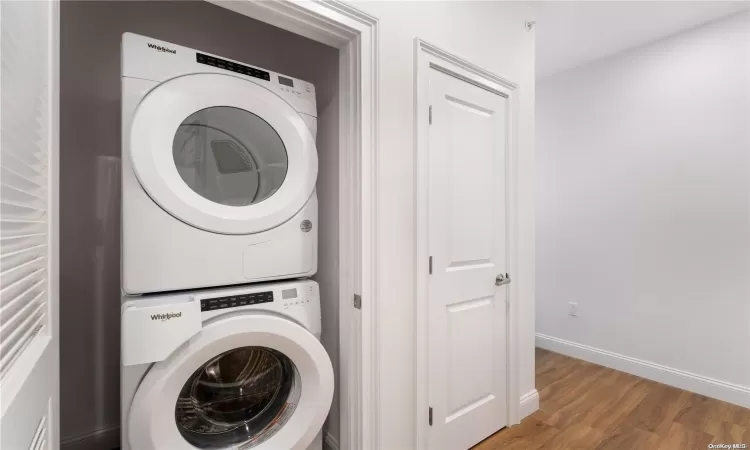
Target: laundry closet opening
[(90, 190)]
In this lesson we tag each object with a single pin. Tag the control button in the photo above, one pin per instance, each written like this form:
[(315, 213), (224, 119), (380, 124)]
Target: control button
[(307, 89)]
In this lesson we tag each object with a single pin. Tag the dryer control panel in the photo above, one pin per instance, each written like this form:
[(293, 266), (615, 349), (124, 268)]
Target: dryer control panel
[(232, 66), (151, 59)]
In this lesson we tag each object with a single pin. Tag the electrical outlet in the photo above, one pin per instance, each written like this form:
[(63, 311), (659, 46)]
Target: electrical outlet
[(573, 309)]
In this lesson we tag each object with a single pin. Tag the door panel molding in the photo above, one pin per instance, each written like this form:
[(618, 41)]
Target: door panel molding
[(428, 57), (467, 79)]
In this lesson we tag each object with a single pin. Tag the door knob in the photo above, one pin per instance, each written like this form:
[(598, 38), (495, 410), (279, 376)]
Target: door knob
[(502, 279)]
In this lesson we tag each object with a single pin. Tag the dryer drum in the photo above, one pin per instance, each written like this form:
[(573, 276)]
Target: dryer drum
[(230, 156), (242, 396)]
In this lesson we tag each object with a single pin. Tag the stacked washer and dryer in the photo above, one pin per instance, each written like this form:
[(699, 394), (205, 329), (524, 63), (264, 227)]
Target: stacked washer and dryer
[(219, 167)]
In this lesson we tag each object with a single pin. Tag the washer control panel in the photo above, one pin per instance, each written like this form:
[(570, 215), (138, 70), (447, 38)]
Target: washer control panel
[(297, 296), (233, 301)]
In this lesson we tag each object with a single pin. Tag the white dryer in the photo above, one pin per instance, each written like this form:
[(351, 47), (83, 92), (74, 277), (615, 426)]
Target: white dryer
[(219, 167), (231, 368)]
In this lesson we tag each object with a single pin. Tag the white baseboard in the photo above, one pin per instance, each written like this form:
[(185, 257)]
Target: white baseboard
[(330, 442), (710, 387), (529, 404)]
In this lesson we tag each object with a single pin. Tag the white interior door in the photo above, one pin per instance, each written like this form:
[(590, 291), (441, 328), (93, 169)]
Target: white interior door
[(29, 350), (467, 244)]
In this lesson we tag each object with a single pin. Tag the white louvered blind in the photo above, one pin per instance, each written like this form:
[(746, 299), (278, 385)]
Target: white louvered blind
[(24, 129), (29, 268)]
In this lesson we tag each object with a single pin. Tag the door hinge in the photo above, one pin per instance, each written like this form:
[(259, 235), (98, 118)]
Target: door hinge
[(430, 265), (357, 301), (430, 418), (430, 114)]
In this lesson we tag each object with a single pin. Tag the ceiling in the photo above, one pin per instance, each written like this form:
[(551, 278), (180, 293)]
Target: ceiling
[(572, 33)]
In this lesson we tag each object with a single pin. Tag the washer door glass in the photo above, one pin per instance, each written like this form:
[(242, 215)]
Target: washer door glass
[(230, 156), (240, 398)]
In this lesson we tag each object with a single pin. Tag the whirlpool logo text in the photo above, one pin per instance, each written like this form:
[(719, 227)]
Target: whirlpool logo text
[(167, 316), (161, 49)]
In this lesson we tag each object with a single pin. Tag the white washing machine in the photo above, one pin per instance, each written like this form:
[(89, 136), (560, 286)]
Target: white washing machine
[(219, 167), (231, 368)]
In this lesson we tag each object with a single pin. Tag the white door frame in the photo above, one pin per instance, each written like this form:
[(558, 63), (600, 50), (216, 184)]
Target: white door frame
[(426, 56), (355, 34)]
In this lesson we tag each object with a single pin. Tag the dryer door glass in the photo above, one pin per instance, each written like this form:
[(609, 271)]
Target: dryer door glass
[(238, 399), (230, 156)]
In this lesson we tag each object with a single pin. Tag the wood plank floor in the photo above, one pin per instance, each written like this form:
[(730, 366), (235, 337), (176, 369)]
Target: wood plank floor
[(585, 406)]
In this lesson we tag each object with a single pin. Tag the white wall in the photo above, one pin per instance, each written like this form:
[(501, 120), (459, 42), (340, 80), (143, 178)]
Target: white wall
[(573, 33), (491, 35), (643, 208)]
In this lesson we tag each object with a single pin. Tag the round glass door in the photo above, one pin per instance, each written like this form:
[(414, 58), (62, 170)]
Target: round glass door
[(241, 397), (224, 390), (230, 156), (222, 154)]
